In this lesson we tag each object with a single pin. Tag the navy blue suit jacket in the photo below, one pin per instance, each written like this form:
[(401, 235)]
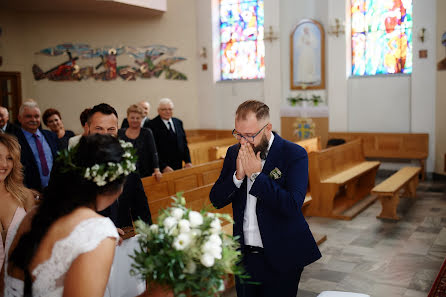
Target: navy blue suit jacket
[(286, 237), (31, 170)]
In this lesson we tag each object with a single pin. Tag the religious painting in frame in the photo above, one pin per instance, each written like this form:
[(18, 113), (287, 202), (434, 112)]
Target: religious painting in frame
[(307, 56)]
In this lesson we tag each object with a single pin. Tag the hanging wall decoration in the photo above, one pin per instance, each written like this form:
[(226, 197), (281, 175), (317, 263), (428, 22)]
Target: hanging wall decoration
[(150, 61)]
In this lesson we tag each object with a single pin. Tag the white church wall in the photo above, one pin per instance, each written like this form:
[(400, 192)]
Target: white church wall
[(26, 33)]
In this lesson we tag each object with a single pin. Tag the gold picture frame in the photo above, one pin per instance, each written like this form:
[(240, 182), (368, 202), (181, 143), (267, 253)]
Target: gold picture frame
[(307, 56)]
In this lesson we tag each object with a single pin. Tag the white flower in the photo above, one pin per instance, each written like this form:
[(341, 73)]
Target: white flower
[(195, 232), (169, 223), (214, 238), (177, 213), (221, 288), (211, 248), (215, 226), (95, 167), (154, 228), (184, 226), (182, 241), (207, 260), (191, 267), (87, 173), (195, 219)]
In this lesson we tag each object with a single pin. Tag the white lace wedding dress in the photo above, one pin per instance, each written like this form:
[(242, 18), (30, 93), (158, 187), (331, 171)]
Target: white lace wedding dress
[(50, 275)]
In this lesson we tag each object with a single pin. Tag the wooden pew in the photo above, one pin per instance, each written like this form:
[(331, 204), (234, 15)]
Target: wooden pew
[(396, 146), (200, 151), (181, 180), (339, 180), (198, 135), (388, 191), (310, 145)]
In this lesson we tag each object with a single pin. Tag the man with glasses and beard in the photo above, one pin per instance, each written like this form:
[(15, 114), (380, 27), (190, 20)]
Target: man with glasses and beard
[(265, 178)]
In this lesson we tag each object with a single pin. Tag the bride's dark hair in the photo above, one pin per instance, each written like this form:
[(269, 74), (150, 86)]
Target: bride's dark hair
[(66, 191)]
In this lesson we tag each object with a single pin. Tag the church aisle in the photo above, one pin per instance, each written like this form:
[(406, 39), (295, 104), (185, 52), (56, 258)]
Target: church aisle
[(379, 257)]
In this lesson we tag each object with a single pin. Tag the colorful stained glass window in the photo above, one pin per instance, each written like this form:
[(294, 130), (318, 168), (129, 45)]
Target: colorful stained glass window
[(381, 36), (242, 51)]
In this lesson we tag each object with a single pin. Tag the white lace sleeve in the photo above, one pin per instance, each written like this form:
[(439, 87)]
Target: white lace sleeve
[(50, 275)]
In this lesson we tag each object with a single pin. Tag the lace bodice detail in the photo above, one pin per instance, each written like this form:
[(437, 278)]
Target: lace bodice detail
[(50, 275)]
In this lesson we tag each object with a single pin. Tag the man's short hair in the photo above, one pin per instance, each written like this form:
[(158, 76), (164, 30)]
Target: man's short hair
[(260, 109), (28, 104), (48, 113), (84, 116), (103, 108), (166, 101)]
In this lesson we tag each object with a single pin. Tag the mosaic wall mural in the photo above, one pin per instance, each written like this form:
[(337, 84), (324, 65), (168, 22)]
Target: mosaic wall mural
[(149, 61)]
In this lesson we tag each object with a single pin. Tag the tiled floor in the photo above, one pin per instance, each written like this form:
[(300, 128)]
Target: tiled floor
[(379, 257)]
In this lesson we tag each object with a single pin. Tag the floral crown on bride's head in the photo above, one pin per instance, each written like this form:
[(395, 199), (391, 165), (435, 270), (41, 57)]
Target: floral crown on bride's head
[(101, 174)]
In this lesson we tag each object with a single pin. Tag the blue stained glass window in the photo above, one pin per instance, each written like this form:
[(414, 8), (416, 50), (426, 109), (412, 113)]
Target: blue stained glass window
[(242, 50), (381, 36)]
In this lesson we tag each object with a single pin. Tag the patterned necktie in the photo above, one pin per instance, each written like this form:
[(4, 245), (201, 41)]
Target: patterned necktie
[(170, 127), (42, 158)]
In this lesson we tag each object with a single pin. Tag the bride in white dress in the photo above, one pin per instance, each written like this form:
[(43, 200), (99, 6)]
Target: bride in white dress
[(63, 247)]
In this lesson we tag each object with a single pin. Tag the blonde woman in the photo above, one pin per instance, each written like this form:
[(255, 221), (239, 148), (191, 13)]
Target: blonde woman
[(15, 199), (142, 139)]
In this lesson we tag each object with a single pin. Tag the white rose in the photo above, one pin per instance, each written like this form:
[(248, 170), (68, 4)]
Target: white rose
[(191, 267), (221, 288), (195, 219), (195, 232), (184, 226), (177, 213), (215, 226), (154, 228), (214, 238), (207, 260), (169, 223), (212, 249), (182, 241), (87, 173)]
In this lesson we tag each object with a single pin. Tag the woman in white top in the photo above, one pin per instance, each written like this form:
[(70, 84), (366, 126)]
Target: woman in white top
[(15, 198), (63, 247)]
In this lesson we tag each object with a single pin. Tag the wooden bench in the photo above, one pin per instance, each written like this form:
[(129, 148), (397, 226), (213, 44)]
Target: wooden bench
[(181, 180), (198, 135), (200, 151), (310, 145), (388, 191), (392, 146), (339, 179)]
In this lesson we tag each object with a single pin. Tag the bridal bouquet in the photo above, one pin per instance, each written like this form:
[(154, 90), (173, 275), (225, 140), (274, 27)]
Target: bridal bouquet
[(186, 252)]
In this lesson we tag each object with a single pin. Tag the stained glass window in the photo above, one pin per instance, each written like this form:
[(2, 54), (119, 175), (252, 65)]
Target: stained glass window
[(242, 51), (381, 36)]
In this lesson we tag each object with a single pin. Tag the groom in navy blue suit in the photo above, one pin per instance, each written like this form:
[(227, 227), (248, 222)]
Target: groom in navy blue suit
[(265, 178)]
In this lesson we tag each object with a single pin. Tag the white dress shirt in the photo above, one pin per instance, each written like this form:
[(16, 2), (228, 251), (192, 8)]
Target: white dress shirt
[(171, 123), (251, 230)]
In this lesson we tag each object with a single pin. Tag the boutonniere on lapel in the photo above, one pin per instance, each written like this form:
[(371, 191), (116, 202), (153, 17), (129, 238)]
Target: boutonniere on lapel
[(275, 173)]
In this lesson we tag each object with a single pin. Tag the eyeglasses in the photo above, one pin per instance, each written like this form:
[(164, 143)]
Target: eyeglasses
[(249, 138)]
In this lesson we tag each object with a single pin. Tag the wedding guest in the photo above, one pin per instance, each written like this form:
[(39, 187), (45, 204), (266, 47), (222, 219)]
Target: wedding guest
[(5, 125), (145, 105), (83, 118), (64, 247), (142, 140), (53, 120), (132, 204), (15, 198), (170, 138), (38, 147)]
